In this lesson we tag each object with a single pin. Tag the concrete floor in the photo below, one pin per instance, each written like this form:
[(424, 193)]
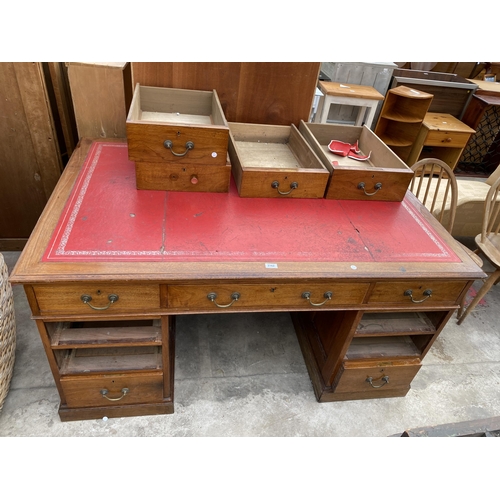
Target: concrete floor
[(244, 375)]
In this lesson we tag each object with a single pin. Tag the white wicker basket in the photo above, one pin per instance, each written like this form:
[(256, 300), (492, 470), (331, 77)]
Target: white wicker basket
[(7, 332)]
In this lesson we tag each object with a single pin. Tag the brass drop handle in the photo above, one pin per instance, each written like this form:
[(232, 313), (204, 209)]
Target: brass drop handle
[(427, 294), (276, 185), (169, 145), (112, 297), (307, 295), (385, 380), (377, 186), (104, 393), (212, 296)]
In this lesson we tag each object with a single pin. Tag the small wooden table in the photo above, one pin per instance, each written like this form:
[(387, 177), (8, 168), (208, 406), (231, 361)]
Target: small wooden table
[(441, 136), (351, 95)]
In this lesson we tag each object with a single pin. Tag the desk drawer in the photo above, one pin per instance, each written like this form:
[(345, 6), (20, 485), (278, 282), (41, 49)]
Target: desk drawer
[(448, 139), (273, 161), (414, 293), (375, 377), (96, 298), (264, 296), (84, 391), (177, 126)]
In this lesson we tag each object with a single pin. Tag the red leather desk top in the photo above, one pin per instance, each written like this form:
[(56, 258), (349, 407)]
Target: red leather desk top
[(107, 219)]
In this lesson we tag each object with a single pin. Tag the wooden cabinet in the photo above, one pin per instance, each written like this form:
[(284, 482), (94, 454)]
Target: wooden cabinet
[(401, 117), (441, 136), (30, 154)]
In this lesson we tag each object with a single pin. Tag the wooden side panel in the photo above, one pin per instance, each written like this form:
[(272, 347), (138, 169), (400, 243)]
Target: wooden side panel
[(30, 162), (62, 94), (101, 97), (250, 92)]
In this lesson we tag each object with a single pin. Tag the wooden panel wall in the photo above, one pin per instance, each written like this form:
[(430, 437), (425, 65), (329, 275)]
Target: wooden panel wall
[(30, 160), (251, 92)]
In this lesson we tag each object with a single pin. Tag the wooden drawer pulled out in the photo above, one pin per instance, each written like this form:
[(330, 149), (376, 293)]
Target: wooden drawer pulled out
[(177, 126), (383, 177), (273, 161)]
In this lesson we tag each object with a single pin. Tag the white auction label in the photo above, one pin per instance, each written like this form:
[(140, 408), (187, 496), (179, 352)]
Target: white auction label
[(271, 266)]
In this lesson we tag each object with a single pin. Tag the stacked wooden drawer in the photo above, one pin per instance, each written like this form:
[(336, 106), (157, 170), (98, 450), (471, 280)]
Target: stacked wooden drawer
[(178, 140)]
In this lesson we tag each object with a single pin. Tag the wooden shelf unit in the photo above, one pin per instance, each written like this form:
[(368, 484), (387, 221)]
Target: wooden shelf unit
[(401, 118)]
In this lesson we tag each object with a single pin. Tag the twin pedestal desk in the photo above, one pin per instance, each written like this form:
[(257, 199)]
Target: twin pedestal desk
[(369, 285)]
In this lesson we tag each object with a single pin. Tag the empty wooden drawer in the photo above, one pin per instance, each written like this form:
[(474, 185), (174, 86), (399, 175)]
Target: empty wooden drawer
[(272, 161)]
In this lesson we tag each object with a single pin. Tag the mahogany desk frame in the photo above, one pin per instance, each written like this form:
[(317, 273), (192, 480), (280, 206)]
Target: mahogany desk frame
[(339, 363)]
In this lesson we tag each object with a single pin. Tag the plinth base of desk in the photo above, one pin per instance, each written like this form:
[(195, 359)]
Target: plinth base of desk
[(70, 414), (323, 392)]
